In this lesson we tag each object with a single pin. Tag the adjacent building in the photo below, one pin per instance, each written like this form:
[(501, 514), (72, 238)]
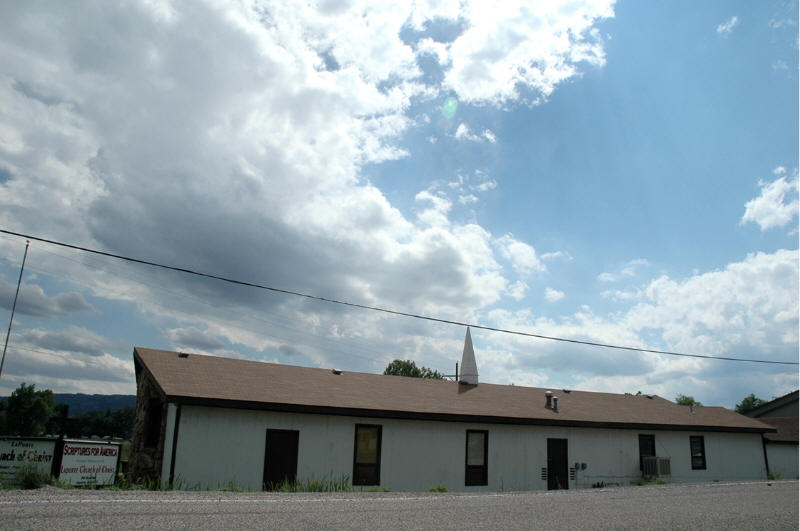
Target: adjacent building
[(203, 422), (780, 448)]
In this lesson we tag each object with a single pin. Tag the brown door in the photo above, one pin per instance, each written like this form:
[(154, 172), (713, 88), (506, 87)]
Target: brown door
[(280, 459), (557, 467)]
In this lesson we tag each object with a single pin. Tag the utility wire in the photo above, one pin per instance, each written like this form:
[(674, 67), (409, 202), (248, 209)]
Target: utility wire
[(386, 310)]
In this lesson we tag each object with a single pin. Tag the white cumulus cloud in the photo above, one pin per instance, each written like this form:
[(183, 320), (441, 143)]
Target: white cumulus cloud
[(521, 255), (727, 27), (553, 295), (777, 204)]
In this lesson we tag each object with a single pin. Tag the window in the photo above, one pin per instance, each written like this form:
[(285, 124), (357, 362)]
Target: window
[(367, 455), (477, 470), (647, 448), (698, 449)]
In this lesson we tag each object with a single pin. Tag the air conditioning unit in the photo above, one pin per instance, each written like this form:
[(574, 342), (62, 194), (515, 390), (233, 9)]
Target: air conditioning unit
[(654, 467)]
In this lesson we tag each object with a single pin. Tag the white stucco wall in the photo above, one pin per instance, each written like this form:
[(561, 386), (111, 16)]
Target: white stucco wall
[(783, 460), (217, 445)]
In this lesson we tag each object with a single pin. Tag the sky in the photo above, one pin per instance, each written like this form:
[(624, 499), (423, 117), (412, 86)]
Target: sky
[(622, 173)]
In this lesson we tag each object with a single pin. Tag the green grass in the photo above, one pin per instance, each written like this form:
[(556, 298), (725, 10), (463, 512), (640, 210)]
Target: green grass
[(28, 477), (438, 488), (325, 484), (231, 486)]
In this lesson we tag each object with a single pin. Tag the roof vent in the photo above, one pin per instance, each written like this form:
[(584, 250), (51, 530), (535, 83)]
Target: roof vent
[(336, 371), (568, 391), (183, 355), (548, 395), (555, 404)]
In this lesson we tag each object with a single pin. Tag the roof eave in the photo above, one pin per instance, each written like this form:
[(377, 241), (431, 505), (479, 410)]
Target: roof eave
[(445, 417)]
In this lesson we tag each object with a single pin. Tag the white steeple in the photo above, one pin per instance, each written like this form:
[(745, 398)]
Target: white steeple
[(469, 370)]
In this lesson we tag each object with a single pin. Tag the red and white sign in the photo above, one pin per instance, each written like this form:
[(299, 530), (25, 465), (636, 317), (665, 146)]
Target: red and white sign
[(88, 463)]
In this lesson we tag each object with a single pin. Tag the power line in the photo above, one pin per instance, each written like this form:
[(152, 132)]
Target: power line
[(300, 336), (386, 310)]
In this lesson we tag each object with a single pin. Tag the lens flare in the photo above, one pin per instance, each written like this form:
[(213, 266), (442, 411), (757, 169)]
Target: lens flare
[(449, 107)]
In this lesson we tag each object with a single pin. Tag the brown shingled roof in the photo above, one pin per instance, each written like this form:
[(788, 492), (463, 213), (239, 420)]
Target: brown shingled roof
[(786, 426), (225, 382)]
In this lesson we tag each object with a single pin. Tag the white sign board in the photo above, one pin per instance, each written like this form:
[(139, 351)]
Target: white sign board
[(16, 453), (88, 463)]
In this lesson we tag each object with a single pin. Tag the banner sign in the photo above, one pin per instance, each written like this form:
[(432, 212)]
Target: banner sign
[(89, 463), (16, 453)]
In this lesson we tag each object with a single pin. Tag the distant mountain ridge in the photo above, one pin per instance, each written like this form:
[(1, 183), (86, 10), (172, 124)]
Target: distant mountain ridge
[(80, 403)]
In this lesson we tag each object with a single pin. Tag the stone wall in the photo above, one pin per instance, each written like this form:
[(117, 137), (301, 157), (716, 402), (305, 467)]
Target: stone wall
[(146, 456)]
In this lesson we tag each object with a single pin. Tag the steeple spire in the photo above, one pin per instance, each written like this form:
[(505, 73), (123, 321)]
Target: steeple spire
[(469, 369)]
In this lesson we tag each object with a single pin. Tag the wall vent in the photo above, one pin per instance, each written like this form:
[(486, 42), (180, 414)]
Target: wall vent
[(653, 467), (544, 473)]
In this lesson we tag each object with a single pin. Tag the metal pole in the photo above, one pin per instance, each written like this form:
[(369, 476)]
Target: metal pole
[(14, 306)]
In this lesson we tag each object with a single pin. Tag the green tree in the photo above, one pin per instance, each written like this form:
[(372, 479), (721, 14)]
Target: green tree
[(409, 368), (108, 423), (749, 403), (683, 400), (28, 410)]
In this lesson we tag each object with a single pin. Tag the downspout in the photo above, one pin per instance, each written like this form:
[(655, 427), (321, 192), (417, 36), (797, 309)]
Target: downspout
[(174, 445), (764, 447)]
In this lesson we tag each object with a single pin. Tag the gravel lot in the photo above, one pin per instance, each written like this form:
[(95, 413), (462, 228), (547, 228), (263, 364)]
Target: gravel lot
[(754, 505)]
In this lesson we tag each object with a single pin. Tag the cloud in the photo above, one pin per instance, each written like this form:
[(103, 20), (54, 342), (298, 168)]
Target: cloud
[(553, 295), (244, 147), (607, 277), (726, 27), (467, 187), (780, 64), (629, 269), (778, 23), (485, 186), (506, 48), (517, 290), (246, 133), (748, 309), (557, 255), (777, 204), (33, 301), (436, 213), (71, 360), (463, 132), (750, 306), (190, 338), (72, 339), (521, 255)]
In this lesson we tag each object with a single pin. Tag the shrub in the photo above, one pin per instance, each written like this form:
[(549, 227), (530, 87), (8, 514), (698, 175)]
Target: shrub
[(28, 476)]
